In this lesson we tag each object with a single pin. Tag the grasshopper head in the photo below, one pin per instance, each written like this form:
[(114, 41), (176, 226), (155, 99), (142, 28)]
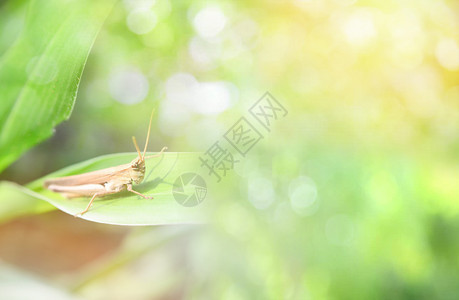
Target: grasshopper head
[(137, 169), (138, 164)]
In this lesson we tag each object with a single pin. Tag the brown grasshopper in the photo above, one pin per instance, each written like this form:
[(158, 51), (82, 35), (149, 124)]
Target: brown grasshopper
[(106, 181)]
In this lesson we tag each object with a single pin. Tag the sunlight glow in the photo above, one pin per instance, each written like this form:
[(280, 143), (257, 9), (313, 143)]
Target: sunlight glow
[(209, 22), (261, 192), (128, 87), (141, 20), (359, 28), (447, 53), (207, 98), (303, 195)]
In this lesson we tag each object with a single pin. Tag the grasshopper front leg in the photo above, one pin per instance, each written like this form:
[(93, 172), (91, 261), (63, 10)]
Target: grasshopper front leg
[(129, 188), (109, 190)]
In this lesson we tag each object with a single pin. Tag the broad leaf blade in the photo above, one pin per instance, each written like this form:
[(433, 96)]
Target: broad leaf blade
[(40, 73), (126, 208), (16, 201)]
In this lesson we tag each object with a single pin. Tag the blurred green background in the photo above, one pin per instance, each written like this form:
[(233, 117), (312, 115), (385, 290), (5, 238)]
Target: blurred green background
[(353, 195)]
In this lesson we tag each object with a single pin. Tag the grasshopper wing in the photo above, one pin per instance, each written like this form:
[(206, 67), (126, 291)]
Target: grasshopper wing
[(94, 177)]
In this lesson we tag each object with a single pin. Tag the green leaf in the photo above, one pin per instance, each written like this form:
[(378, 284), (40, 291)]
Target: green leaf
[(16, 201), (126, 208), (40, 73)]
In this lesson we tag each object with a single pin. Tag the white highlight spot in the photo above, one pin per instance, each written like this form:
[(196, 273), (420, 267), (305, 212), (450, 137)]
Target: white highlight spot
[(209, 22), (303, 196), (345, 2), (181, 87), (261, 192), (203, 52), (207, 98), (141, 20), (135, 4), (447, 53), (174, 119), (213, 98), (128, 87), (359, 28)]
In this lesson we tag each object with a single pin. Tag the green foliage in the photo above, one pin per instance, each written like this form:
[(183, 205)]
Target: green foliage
[(40, 72), (353, 195), (18, 200)]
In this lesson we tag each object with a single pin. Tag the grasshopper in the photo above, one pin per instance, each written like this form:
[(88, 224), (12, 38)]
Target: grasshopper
[(106, 181)]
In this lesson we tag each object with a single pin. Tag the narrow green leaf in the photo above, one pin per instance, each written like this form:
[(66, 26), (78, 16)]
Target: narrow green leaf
[(16, 201), (40, 73)]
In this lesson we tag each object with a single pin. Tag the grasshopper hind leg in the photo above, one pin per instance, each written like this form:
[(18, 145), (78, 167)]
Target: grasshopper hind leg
[(108, 190), (87, 207)]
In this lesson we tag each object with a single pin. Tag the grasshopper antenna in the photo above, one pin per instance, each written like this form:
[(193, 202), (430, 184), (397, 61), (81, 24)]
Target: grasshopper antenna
[(148, 135), (156, 155), (136, 146)]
